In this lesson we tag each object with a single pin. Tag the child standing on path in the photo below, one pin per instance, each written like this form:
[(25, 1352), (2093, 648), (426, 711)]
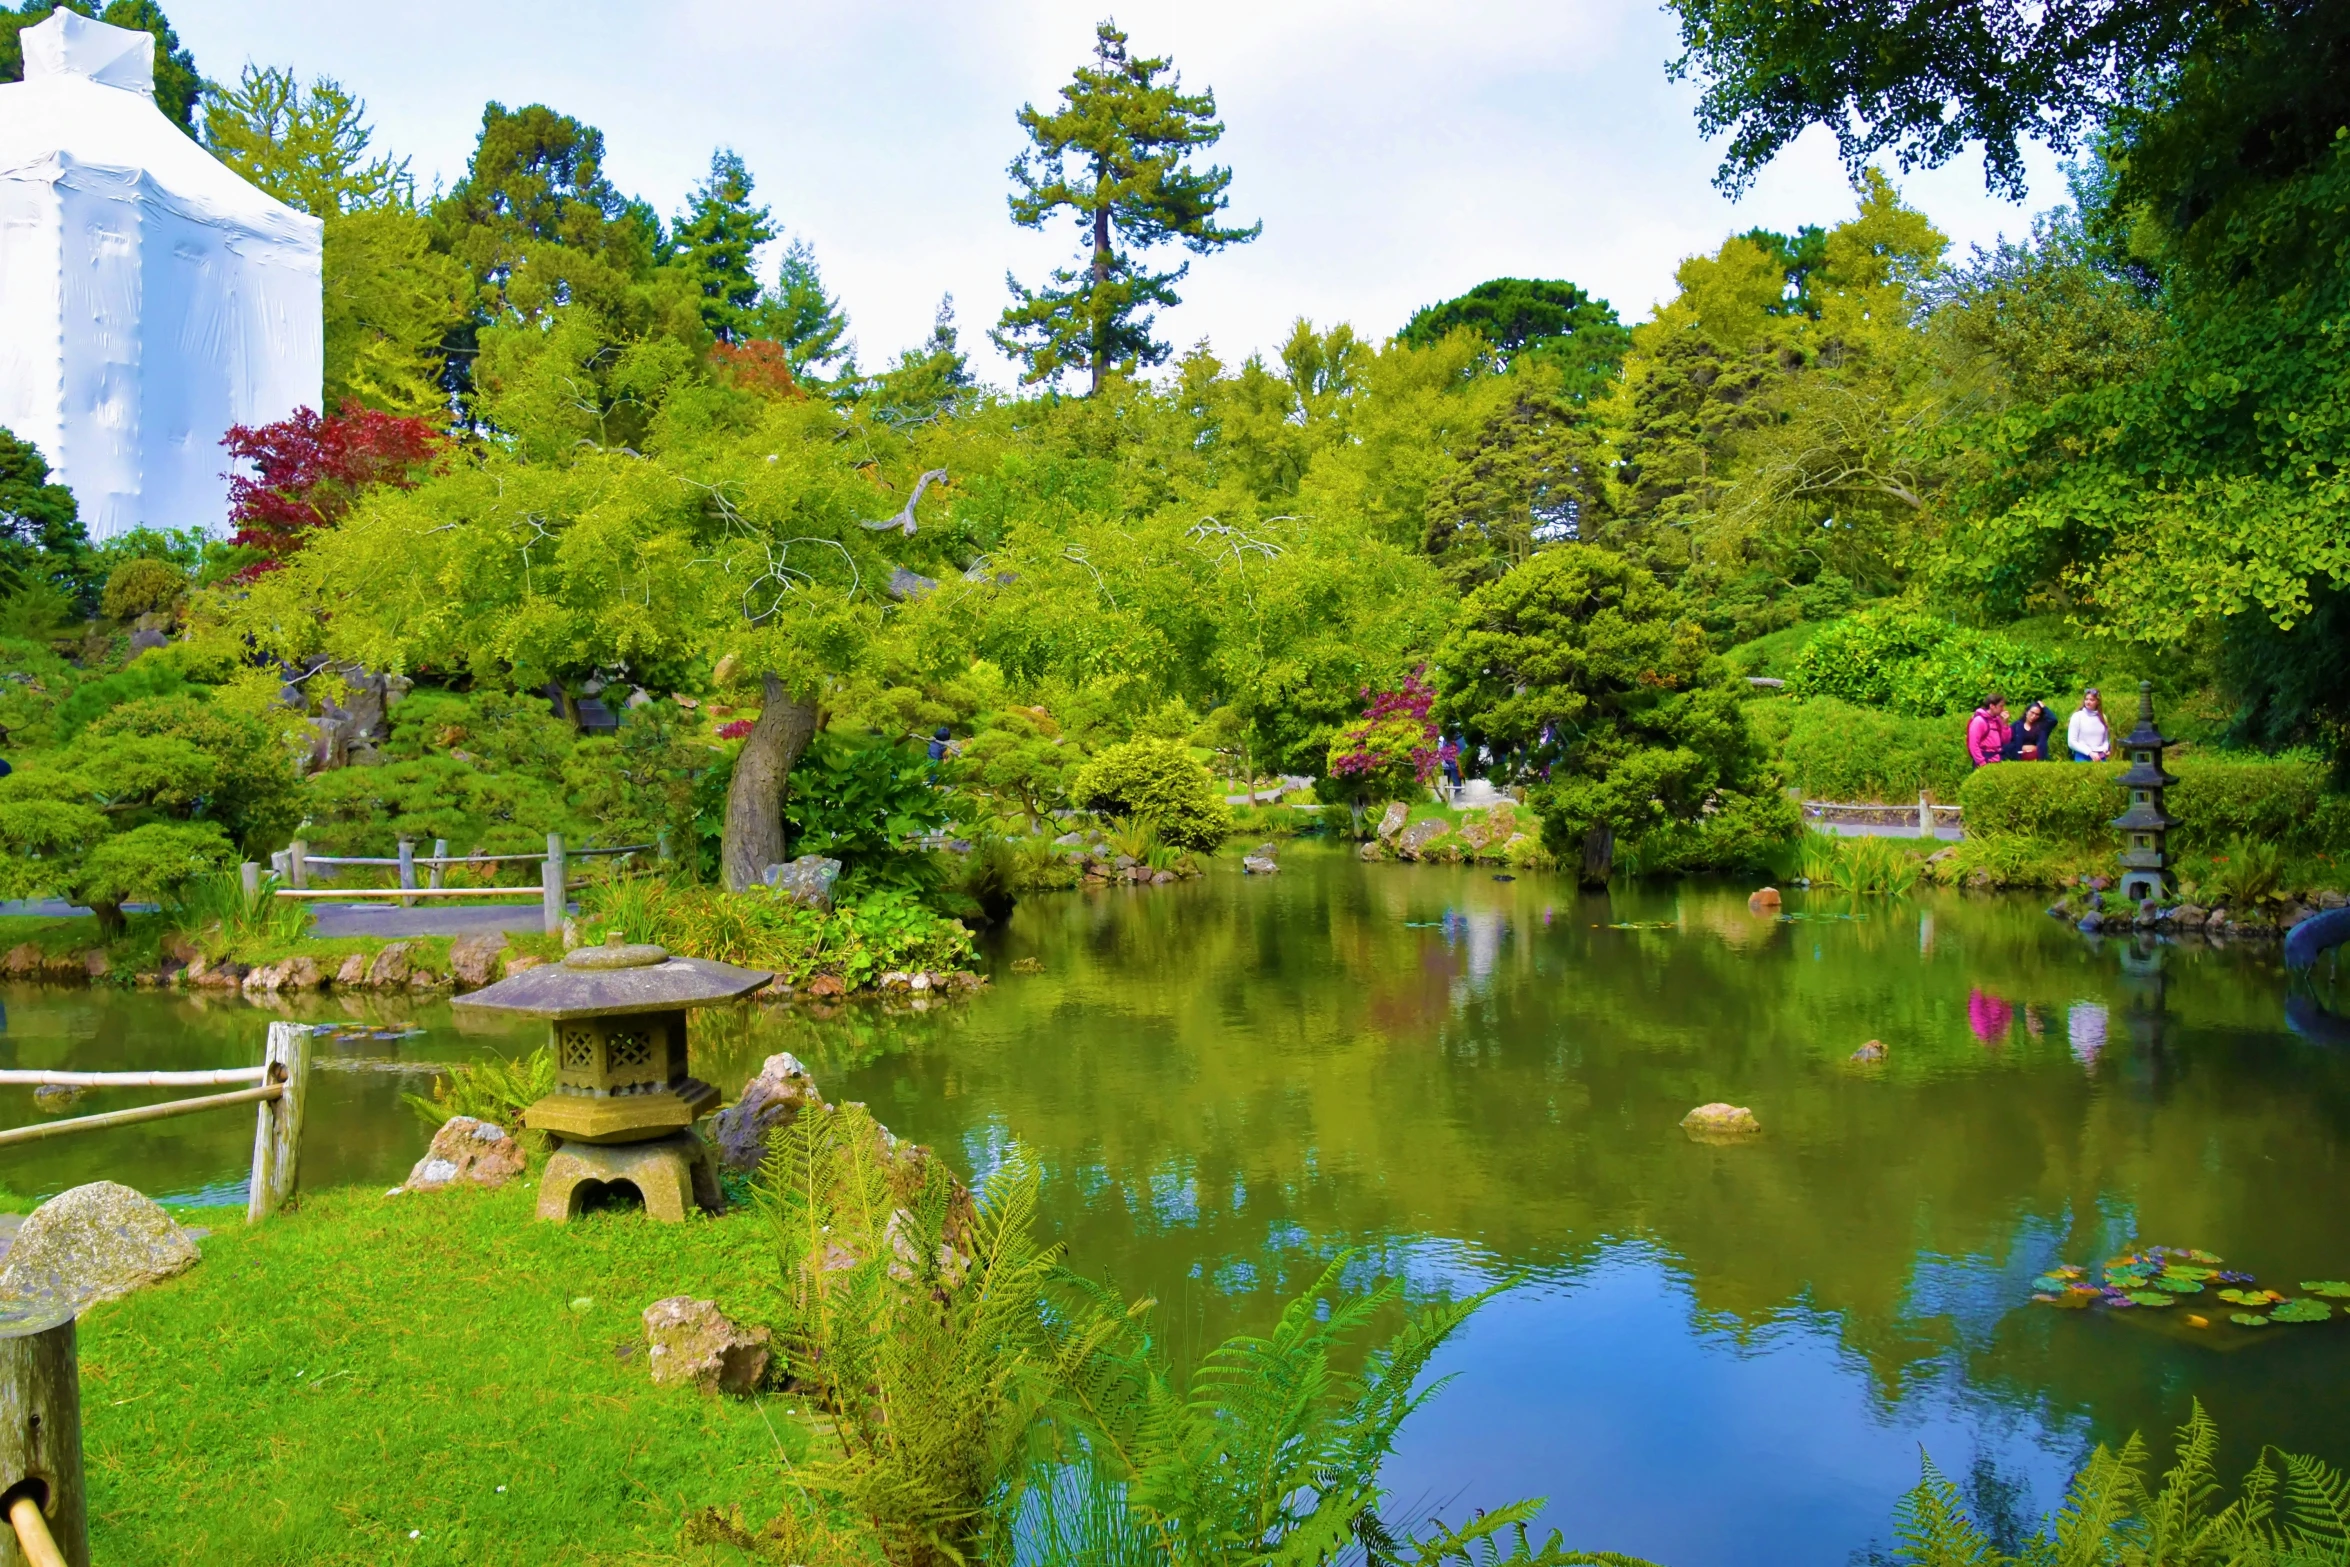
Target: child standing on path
[(2086, 734), (1986, 732)]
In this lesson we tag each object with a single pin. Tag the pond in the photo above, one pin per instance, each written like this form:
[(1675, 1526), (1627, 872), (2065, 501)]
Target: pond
[(1715, 1354)]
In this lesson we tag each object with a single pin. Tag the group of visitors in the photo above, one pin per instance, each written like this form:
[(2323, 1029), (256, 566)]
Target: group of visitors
[(1991, 738)]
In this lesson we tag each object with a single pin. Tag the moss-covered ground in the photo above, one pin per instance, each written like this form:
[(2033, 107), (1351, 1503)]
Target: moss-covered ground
[(428, 1379)]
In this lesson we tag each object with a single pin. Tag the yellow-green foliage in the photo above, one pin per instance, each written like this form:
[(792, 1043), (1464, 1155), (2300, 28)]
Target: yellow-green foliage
[(2283, 801), (141, 587), (1833, 750), (1862, 864), (1155, 783), (860, 941)]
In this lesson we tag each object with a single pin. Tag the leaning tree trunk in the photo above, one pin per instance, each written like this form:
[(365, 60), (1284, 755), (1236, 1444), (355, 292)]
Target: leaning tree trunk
[(754, 800), (1599, 856)]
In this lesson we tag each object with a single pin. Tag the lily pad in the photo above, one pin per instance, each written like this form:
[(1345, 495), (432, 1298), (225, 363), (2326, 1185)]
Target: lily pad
[(2193, 1255), (2245, 1297), (2188, 1271), (2246, 1319), (2331, 1289), (2150, 1298), (2179, 1284), (2301, 1311), (2057, 1281)]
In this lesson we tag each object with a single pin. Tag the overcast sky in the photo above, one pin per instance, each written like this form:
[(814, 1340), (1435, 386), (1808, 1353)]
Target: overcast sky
[(1397, 153)]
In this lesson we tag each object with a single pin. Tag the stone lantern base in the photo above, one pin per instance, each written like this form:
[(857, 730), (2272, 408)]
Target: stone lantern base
[(673, 1174)]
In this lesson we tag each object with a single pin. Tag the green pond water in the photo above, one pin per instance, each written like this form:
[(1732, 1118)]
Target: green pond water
[(1716, 1354)]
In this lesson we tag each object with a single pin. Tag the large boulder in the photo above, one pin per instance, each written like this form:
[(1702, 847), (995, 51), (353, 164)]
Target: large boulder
[(93, 1243), (467, 1152), (389, 971), (807, 881), (1416, 839), (773, 1099), (693, 1344), (1391, 822), (473, 960)]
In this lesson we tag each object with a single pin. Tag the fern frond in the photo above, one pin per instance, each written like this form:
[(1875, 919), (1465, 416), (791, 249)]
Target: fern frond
[(2317, 1510), (2105, 1496), (1932, 1529)]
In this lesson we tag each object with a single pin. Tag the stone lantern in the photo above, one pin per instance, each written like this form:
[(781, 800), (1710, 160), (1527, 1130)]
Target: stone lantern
[(624, 1107), (2145, 858)]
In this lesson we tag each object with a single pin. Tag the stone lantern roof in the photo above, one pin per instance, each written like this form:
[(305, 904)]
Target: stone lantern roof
[(614, 981)]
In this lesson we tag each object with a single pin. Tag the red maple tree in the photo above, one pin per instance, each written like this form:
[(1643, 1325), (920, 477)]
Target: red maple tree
[(306, 471)]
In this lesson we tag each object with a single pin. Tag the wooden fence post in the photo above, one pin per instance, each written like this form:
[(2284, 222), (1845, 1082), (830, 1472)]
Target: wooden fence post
[(277, 1135), (551, 884), (408, 870), (298, 863), (41, 1435), (440, 852), (1925, 814)]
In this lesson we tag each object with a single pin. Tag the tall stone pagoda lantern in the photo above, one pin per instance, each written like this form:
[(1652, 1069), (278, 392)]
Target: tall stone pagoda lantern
[(2145, 857), (624, 1107)]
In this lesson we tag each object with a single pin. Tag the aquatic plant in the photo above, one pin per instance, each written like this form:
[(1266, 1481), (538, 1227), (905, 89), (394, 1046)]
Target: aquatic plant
[(1867, 865), (2155, 1277), (213, 911), (2247, 871), (2113, 1515)]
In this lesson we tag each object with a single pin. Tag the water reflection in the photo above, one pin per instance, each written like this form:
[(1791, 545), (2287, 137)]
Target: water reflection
[(1724, 1354)]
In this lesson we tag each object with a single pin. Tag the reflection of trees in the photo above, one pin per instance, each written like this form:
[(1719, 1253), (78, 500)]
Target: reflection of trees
[(1220, 1074)]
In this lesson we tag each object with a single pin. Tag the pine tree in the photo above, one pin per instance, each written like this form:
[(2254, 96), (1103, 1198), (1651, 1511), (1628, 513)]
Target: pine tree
[(806, 320), (1114, 156), (930, 379), (716, 242)]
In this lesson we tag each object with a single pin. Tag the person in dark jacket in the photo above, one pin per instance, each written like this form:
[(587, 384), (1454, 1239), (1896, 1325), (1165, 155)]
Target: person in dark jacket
[(2028, 741)]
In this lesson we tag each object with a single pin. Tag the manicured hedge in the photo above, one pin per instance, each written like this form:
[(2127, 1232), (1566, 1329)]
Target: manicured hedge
[(1836, 751), (2281, 801)]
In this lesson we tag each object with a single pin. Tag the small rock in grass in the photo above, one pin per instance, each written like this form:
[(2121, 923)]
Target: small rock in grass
[(1874, 1050), (353, 971), (1720, 1123), (93, 1243), (466, 1151), (473, 960), (691, 1342)]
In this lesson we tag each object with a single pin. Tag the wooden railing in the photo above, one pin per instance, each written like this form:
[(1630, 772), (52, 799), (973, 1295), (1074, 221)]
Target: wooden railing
[(295, 863), (279, 1085), (41, 1488)]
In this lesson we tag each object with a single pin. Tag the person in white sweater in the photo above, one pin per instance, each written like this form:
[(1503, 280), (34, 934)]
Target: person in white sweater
[(2086, 734)]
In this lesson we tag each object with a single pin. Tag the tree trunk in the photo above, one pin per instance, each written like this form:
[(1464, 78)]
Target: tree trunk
[(753, 838), (1101, 275), (111, 923), (1599, 856)]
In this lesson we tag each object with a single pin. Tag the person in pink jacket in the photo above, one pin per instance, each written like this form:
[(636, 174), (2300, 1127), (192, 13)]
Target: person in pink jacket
[(1986, 732)]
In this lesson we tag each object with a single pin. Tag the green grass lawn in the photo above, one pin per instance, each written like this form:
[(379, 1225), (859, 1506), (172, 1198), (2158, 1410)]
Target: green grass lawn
[(424, 1378)]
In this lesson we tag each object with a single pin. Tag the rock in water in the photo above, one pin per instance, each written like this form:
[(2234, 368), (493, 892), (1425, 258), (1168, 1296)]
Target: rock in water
[(1391, 822), (1720, 1123), (93, 1243), (1257, 865), (1874, 1050), (774, 1098), (467, 1152), (693, 1343), (1763, 900)]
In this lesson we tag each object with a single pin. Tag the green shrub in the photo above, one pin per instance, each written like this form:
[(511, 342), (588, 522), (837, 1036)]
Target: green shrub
[(2281, 801), (886, 929), (1833, 750), (1743, 834), (1914, 663), (142, 587), (491, 1090), (1158, 782)]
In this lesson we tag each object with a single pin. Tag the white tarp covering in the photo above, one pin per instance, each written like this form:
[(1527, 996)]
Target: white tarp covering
[(149, 298)]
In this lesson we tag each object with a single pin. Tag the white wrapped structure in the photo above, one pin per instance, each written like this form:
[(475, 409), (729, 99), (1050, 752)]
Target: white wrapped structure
[(149, 298)]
